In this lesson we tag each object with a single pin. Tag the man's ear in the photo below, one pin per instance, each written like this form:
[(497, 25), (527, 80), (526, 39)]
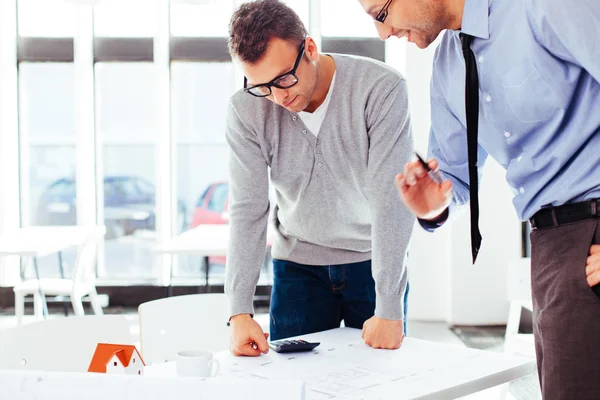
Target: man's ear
[(311, 50)]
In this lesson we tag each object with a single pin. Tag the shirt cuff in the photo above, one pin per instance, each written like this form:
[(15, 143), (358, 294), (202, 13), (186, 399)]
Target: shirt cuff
[(432, 225), (241, 303), (390, 306)]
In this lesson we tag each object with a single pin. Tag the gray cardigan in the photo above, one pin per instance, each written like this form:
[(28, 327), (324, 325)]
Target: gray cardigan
[(336, 198)]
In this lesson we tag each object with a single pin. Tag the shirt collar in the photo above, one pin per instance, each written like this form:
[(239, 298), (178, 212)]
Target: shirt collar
[(475, 20)]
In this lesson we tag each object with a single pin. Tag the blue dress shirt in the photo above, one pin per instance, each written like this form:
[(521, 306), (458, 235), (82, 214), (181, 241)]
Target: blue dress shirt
[(539, 92)]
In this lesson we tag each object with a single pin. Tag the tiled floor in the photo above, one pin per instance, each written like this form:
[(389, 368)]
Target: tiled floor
[(433, 331)]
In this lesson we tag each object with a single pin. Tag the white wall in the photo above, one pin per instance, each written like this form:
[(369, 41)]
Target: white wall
[(478, 292), (429, 254), (444, 284)]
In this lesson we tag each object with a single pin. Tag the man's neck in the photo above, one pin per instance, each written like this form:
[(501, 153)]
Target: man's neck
[(456, 9), (325, 71)]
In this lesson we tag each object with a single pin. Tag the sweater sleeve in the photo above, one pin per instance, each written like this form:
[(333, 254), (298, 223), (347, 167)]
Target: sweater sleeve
[(390, 149), (249, 211)]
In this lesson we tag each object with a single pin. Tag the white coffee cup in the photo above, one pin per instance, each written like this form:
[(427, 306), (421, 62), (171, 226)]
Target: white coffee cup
[(198, 363)]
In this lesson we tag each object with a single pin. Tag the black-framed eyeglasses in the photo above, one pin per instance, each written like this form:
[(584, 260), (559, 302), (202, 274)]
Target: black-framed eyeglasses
[(383, 13), (283, 81)]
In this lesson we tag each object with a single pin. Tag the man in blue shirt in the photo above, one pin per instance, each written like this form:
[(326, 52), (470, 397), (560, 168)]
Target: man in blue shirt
[(537, 74)]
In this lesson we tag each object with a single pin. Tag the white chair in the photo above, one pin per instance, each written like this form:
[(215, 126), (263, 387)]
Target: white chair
[(61, 344), (519, 296), (172, 324), (82, 284)]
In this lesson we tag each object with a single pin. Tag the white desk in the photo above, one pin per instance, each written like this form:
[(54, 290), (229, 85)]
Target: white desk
[(40, 241), (343, 367), (203, 241), (39, 385)]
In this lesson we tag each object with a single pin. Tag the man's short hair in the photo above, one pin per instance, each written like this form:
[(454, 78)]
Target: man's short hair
[(255, 23)]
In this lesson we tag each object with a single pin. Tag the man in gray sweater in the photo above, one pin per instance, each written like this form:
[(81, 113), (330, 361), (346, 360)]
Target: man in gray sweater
[(334, 130)]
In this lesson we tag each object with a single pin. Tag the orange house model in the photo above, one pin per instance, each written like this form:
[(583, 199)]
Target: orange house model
[(117, 359)]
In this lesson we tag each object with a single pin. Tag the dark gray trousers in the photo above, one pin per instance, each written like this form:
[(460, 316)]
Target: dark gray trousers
[(566, 311)]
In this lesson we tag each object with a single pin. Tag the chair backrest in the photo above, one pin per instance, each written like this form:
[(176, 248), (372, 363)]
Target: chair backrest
[(84, 273), (62, 344), (173, 324)]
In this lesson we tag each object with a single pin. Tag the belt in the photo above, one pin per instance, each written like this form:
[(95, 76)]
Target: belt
[(571, 212)]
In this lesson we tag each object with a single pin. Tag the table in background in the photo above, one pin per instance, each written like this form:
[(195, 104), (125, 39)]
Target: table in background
[(203, 241)]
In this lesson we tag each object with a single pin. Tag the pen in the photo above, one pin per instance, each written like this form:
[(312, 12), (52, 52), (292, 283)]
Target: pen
[(434, 175)]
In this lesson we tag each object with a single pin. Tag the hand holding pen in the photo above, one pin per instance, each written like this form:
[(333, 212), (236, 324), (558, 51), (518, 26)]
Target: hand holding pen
[(433, 174), (423, 190)]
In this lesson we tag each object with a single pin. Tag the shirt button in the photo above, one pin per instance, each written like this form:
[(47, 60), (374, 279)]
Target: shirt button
[(488, 98), (319, 153), (521, 190), (320, 165), (506, 134), (294, 118), (304, 132), (480, 59), (318, 141)]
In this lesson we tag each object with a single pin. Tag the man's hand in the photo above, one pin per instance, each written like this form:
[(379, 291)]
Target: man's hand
[(382, 333), (422, 196), (592, 267), (247, 337)]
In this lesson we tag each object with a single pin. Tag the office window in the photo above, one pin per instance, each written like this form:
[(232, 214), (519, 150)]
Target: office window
[(349, 30), (200, 96), (345, 19), (211, 19), (203, 20), (126, 19), (126, 120), (218, 200), (47, 137), (46, 18), (302, 9)]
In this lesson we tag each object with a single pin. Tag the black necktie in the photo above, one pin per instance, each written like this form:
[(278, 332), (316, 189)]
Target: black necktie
[(472, 108)]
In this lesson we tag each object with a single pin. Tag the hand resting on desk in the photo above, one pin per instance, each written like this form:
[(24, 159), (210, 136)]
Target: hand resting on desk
[(247, 337), (382, 333)]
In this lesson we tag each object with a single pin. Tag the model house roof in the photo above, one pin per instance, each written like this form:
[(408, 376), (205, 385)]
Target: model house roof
[(105, 352)]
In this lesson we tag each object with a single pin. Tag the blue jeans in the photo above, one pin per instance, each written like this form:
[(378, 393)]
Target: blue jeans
[(307, 299)]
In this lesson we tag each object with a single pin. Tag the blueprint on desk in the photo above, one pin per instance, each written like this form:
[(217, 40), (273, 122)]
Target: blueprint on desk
[(343, 367)]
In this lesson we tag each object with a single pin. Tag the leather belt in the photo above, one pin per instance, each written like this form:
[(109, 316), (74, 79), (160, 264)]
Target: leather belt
[(567, 213)]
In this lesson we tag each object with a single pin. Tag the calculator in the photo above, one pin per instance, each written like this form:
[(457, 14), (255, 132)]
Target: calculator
[(290, 346)]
